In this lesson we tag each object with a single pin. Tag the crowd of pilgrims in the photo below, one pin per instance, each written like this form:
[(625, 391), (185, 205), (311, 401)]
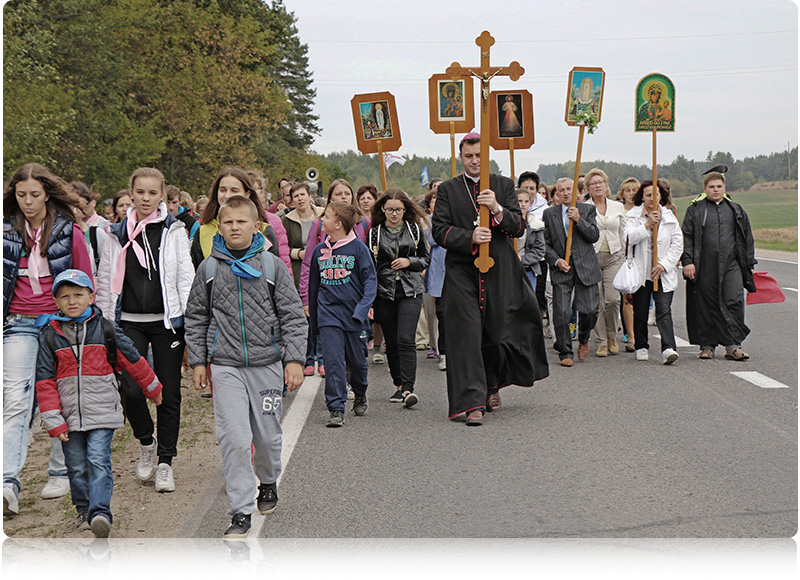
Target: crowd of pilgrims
[(406, 312)]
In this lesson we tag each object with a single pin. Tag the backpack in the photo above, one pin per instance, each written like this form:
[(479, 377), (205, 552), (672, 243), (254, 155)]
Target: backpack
[(375, 238), (109, 338), (95, 248), (268, 261)]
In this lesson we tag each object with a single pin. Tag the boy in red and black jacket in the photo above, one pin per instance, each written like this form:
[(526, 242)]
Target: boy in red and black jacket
[(76, 385)]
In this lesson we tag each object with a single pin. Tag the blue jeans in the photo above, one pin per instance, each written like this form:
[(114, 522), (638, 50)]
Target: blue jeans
[(88, 455), (20, 348)]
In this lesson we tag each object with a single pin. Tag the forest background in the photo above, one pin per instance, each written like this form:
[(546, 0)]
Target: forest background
[(93, 89)]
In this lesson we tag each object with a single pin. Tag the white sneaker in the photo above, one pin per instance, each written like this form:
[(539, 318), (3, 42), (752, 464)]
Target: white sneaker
[(164, 479), (55, 487), (442, 362), (147, 461), (378, 359), (350, 394), (641, 354), (10, 501), (669, 356)]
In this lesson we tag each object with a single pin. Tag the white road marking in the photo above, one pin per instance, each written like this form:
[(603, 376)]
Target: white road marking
[(291, 425), (760, 380), (774, 260), (679, 342)]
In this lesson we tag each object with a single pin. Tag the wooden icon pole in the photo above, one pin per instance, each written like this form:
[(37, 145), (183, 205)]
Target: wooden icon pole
[(575, 189), (383, 165), (453, 148), (511, 154), (656, 207)]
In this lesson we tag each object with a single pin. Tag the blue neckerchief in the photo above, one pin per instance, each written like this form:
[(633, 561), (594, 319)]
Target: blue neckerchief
[(45, 319), (238, 267)]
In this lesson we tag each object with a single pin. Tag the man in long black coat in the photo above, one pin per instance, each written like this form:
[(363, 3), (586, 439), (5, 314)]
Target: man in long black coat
[(718, 259), (492, 321)]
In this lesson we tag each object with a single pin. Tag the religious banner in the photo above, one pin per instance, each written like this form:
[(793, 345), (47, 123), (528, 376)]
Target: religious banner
[(584, 107), (511, 114), (375, 120), (584, 95), (655, 104), (451, 101)]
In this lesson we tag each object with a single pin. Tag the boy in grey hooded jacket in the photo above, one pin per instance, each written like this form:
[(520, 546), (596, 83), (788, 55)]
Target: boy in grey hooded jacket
[(253, 339)]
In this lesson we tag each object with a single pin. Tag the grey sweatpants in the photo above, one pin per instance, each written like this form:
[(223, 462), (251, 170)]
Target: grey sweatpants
[(247, 409)]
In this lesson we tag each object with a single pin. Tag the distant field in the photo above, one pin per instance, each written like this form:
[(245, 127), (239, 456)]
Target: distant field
[(772, 212)]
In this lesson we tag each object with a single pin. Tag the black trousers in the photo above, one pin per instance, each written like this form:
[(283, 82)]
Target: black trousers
[(641, 308), (398, 319), (541, 282), (168, 347)]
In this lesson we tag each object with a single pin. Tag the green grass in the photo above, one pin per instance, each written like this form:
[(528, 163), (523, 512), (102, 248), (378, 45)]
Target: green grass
[(766, 210)]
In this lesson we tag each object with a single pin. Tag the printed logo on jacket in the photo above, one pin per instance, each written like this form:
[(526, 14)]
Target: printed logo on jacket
[(336, 269)]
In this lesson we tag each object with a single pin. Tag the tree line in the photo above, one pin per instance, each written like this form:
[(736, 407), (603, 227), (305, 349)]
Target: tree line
[(685, 175), (94, 89)]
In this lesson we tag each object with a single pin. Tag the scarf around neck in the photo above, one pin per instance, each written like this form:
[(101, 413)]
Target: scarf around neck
[(134, 228), (238, 266), (45, 319), (38, 265), (327, 251)]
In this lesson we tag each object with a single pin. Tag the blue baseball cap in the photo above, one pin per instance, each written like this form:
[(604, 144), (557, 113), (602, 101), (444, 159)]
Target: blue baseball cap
[(77, 277)]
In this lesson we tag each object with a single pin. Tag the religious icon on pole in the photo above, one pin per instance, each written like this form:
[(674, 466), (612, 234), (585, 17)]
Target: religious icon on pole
[(376, 125), (451, 108), (655, 104), (584, 94), (584, 107), (511, 114)]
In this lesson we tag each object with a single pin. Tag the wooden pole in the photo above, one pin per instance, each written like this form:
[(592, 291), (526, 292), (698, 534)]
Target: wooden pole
[(383, 165), (453, 148), (575, 189), (511, 154), (657, 207)]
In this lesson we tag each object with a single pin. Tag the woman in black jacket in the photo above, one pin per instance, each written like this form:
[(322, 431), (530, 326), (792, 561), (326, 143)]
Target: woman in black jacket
[(397, 243)]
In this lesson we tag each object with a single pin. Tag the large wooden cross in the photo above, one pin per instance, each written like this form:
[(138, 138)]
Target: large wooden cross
[(484, 74)]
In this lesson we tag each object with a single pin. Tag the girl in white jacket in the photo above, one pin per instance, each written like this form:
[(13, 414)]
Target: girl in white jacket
[(143, 284), (639, 233)]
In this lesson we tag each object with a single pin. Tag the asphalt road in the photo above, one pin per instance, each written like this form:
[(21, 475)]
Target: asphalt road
[(609, 448)]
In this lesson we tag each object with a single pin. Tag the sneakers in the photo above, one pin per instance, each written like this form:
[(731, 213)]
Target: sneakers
[(442, 363), (308, 371), (164, 478), (410, 400), (669, 356), (433, 354), (613, 346), (321, 370), (601, 351), (55, 487), (267, 499), (10, 501), (378, 359), (573, 331), (641, 354), (240, 525), (360, 406), (82, 521), (397, 396), (101, 527), (147, 461), (336, 419), (350, 394)]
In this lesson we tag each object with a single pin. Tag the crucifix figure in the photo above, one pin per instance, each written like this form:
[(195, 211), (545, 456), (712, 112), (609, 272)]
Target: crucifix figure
[(484, 74)]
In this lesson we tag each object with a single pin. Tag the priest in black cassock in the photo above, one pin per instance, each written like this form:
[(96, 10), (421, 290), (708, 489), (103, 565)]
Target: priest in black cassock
[(718, 259), (492, 321)]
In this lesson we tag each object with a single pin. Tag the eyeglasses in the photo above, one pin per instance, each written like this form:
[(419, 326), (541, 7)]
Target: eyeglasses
[(595, 183), (394, 209)]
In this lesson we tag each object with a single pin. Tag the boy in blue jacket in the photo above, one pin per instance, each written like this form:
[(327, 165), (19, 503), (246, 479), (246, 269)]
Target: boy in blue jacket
[(341, 288)]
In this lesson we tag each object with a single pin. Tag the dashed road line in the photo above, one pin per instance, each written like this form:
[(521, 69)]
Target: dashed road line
[(679, 342), (759, 380)]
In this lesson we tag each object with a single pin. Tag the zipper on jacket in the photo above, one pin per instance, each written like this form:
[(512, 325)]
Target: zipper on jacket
[(241, 322)]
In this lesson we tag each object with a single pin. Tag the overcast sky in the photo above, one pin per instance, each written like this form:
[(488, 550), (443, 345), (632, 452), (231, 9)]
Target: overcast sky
[(733, 63)]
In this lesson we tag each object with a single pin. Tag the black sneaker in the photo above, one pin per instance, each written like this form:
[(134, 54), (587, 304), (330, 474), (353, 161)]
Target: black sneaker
[(336, 419), (360, 405), (82, 521), (410, 400), (240, 525), (267, 499), (397, 397)]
